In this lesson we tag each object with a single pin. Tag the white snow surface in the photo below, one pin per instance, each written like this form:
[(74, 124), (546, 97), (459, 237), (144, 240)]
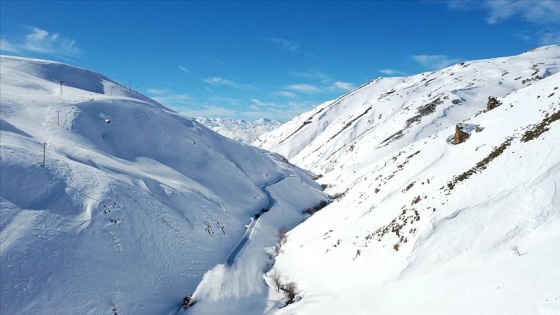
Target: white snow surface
[(238, 129), (133, 204), (424, 226)]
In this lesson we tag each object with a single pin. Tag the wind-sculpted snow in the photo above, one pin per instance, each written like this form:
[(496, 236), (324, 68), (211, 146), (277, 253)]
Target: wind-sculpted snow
[(111, 201), (422, 225)]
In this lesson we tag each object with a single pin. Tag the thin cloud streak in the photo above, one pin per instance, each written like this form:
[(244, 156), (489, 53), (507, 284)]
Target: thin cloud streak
[(172, 100), (285, 44), (209, 111), (303, 88), (157, 91), (284, 94), (538, 12), (391, 72), (41, 41), (435, 62), (345, 86), (221, 81), (498, 11)]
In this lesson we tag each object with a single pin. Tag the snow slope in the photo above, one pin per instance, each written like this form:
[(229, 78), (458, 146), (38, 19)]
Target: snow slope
[(424, 226), (133, 203), (240, 130)]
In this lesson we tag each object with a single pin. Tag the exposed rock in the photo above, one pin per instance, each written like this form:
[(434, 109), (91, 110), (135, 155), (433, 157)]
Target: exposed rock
[(492, 103), (460, 136)]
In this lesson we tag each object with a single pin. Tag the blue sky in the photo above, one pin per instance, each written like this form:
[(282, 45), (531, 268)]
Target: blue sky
[(249, 60)]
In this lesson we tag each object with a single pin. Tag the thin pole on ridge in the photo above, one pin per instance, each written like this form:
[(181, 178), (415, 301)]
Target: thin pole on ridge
[(44, 153)]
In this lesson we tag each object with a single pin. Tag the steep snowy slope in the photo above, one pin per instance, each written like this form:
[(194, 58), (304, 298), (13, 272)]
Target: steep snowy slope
[(387, 114), (240, 130), (111, 201), (425, 226)]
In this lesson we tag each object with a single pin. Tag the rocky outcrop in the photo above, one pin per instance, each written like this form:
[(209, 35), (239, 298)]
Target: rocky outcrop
[(492, 103), (460, 136)]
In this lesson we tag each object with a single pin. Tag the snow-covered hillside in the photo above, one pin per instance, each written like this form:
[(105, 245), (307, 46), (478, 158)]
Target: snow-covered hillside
[(112, 203), (240, 130), (425, 226)]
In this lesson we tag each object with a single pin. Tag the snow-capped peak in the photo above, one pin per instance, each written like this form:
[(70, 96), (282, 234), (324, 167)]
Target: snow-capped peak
[(240, 130)]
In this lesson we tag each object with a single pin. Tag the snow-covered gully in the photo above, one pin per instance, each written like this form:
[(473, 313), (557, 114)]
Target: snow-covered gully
[(247, 235), (239, 246)]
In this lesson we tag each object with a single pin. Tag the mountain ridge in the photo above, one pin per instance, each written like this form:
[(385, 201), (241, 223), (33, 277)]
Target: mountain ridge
[(422, 225), (111, 201)]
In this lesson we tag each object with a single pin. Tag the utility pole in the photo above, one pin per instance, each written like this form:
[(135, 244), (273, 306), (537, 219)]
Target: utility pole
[(58, 117), (61, 87), (44, 153)]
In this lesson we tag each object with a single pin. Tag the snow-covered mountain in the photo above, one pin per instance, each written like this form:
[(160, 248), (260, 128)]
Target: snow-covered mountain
[(240, 130), (422, 224), (112, 203)]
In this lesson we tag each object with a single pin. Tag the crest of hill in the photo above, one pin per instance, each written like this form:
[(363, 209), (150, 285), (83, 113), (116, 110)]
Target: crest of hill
[(417, 217), (109, 199), (390, 113)]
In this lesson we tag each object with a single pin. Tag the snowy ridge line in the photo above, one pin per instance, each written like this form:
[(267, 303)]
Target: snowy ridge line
[(118, 215), (397, 232)]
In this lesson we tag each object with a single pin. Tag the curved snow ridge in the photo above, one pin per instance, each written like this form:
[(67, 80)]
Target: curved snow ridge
[(63, 77)]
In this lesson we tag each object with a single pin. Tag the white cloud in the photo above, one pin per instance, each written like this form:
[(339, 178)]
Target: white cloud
[(303, 88), (282, 112), (539, 12), (6, 45), (40, 41), (157, 91), (222, 81), (228, 100), (261, 103), (533, 11), (435, 62), (548, 38), (184, 69), (219, 81), (287, 45), (461, 5), (173, 100), (316, 75), (391, 72), (345, 86), (284, 94), (209, 111), (247, 109)]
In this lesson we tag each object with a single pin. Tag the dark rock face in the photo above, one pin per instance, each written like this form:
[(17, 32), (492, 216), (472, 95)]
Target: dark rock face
[(460, 136), (492, 103)]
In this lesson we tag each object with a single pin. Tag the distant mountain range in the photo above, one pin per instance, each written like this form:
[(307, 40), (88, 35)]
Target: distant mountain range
[(240, 130)]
